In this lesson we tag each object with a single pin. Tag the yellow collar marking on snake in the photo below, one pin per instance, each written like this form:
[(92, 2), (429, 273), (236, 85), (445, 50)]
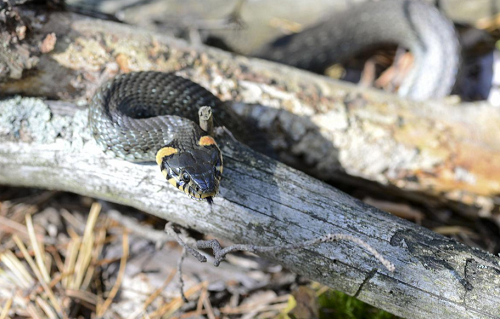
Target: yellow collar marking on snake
[(220, 168), (170, 179), (165, 151), (206, 141)]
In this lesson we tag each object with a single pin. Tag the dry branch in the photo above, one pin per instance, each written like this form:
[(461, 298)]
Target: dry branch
[(262, 202)]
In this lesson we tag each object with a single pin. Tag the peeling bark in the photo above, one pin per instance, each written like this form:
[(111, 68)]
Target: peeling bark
[(16, 54)]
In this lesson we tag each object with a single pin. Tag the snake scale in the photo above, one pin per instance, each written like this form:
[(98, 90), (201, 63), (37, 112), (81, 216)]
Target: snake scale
[(152, 116)]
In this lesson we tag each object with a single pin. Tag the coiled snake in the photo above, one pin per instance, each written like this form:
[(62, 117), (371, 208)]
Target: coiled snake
[(151, 116)]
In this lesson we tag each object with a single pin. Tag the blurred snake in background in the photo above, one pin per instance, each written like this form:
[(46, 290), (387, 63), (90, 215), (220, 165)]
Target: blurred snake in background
[(152, 116), (412, 24)]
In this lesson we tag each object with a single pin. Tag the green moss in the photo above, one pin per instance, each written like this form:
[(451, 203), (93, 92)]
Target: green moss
[(336, 304)]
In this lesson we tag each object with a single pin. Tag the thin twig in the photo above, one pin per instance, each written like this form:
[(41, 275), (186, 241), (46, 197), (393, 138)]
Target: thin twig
[(6, 308), (157, 236), (37, 248), (169, 230), (39, 276), (220, 253), (119, 278), (179, 270)]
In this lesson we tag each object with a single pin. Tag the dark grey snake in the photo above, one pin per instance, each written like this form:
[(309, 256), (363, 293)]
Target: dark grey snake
[(413, 24), (152, 116)]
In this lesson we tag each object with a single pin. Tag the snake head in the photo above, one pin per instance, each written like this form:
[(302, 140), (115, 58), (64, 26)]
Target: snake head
[(197, 172)]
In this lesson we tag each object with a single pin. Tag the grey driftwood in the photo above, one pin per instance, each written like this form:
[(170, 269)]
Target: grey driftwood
[(263, 202)]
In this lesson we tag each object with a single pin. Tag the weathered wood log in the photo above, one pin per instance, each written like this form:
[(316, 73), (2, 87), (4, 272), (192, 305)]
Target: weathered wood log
[(262, 202), (430, 152)]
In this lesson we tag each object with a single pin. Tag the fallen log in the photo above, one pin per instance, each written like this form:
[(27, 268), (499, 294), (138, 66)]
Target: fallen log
[(262, 202), (432, 153)]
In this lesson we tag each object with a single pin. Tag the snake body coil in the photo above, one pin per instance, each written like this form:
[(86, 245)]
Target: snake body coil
[(151, 116), (413, 24)]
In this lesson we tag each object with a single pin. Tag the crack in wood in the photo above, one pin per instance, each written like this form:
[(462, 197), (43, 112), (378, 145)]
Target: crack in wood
[(369, 276)]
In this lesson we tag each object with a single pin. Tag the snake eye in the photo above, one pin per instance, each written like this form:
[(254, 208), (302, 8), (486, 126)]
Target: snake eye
[(185, 177)]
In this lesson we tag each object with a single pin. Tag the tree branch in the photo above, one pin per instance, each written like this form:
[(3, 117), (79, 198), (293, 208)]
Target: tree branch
[(262, 202)]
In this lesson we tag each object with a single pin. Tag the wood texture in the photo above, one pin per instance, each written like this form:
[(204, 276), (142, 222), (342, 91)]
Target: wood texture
[(262, 202)]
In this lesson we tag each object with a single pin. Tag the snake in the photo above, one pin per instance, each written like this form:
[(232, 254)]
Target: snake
[(151, 116), (412, 24)]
